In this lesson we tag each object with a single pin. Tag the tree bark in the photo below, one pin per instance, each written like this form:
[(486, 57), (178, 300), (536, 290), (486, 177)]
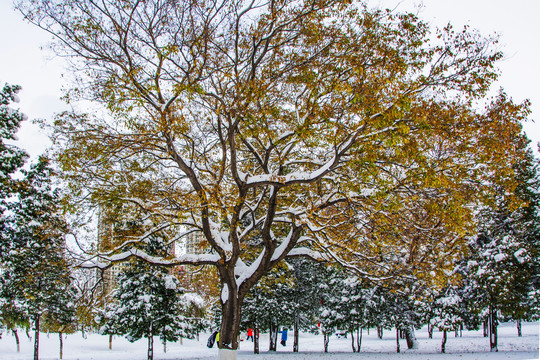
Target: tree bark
[(443, 345), (359, 339), (231, 307), (61, 345), (14, 331), (352, 342), (409, 337), (110, 341), (397, 340), (36, 338), (430, 330), (164, 346), (493, 339), (296, 331), (485, 324), (380, 331), (273, 336), (520, 334), (256, 338), (150, 343), (326, 339)]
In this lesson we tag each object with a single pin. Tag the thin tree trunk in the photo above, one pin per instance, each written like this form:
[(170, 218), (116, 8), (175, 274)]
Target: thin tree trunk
[(61, 345), (36, 338), (296, 331), (326, 339), (380, 331), (397, 340), (430, 330), (520, 334), (443, 345), (461, 330), (352, 342), (110, 341), (359, 339), (164, 346), (485, 324), (273, 336), (150, 343), (493, 340), (256, 337), (14, 331)]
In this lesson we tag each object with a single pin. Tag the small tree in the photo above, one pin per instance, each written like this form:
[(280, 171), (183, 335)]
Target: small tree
[(447, 313), (148, 302)]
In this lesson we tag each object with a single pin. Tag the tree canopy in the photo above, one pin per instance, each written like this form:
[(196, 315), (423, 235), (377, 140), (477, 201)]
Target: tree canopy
[(281, 128)]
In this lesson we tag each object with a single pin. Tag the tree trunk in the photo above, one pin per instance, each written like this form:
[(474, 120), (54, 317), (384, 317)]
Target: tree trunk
[(36, 338), (61, 345), (359, 339), (326, 339), (430, 330), (14, 331), (110, 341), (150, 343), (273, 336), (256, 338), (520, 334), (296, 331), (485, 324), (352, 342), (493, 346), (164, 346), (380, 331), (397, 340), (443, 345), (461, 330), (231, 308), (409, 337)]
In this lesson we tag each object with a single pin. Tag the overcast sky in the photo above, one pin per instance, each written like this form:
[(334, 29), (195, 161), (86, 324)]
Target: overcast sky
[(23, 62)]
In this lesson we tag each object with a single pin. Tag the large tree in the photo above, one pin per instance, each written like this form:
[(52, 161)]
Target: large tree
[(273, 127)]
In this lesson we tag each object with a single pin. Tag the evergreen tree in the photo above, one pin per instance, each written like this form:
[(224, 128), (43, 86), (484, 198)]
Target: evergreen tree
[(148, 302), (447, 313), (36, 276), (502, 271), (11, 158)]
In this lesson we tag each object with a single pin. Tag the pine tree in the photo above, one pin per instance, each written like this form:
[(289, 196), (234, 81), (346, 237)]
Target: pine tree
[(447, 313), (148, 302), (502, 271), (11, 157), (36, 275)]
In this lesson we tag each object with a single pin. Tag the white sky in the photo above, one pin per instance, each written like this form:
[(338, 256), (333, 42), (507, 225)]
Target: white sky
[(40, 74)]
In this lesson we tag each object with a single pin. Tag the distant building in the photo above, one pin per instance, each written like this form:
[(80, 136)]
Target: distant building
[(114, 228), (195, 243)]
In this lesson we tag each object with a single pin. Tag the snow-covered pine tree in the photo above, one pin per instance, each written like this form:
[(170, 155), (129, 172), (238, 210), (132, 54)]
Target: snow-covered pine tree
[(270, 304), (502, 271), (36, 274), (446, 310), (148, 302), (308, 275), (11, 157)]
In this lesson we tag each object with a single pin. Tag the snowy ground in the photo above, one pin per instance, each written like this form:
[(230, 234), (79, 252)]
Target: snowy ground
[(471, 346)]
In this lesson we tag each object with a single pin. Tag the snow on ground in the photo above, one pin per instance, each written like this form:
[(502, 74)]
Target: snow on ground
[(469, 347)]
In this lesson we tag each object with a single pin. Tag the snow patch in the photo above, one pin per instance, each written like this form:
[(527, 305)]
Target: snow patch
[(225, 293)]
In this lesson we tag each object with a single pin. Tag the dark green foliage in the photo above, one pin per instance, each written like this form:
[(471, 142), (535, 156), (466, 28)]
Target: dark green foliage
[(149, 301)]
